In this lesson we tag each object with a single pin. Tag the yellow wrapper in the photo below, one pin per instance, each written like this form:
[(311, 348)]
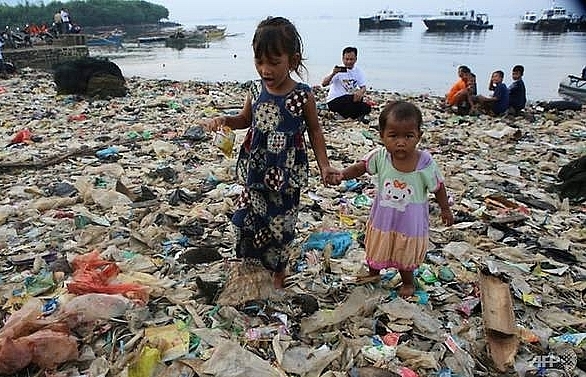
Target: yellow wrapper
[(224, 139)]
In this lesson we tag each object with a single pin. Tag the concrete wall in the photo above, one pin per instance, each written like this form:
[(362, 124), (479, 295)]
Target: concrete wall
[(67, 47)]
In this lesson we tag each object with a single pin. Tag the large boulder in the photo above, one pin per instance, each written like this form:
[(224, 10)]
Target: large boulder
[(96, 77)]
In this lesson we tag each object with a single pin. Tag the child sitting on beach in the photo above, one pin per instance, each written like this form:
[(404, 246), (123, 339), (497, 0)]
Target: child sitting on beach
[(498, 103), (398, 226), (459, 93), (273, 160), (517, 93)]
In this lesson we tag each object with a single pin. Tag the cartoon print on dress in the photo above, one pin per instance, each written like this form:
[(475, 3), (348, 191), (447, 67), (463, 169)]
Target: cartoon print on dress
[(294, 103), (396, 195)]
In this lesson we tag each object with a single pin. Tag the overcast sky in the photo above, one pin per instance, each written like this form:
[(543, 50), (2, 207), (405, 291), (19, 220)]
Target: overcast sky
[(188, 10)]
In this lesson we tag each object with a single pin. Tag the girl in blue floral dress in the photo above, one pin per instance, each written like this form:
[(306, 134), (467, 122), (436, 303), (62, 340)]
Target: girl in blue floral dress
[(272, 162)]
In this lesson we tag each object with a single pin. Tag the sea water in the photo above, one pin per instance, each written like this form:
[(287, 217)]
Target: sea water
[(410, 60)]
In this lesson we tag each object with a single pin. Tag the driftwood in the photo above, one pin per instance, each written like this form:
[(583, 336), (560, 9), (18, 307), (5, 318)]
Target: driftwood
[(57, 159)]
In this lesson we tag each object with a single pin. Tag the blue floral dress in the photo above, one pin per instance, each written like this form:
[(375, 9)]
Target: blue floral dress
[(273, 167)]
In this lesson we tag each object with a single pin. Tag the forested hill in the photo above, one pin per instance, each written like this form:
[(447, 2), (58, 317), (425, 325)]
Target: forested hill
[(85, 13)]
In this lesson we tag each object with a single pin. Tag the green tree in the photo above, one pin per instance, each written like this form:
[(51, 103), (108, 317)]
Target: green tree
[(86, 13)]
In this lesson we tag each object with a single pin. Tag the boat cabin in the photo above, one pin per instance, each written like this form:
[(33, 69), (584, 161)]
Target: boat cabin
[(555, 12), (529, 16)]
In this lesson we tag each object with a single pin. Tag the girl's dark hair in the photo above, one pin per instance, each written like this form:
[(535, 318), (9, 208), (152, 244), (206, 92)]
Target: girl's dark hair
[(400, 110), (276, 36)]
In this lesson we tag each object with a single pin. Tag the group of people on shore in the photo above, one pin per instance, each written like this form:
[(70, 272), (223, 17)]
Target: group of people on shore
[(63, 24), (464, 97), (273, 162)]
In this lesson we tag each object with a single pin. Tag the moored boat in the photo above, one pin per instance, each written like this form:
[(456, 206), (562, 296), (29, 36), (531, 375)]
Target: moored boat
[(553, 19), (458, 20), (527, 21), (112, 39), (573, 87), (577, 23), (384, 19), (212, 32)]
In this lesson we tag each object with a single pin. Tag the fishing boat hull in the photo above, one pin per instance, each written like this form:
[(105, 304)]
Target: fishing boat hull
[(109, 41), (374, 23), (573, 87), (455, 25), (554, 25)]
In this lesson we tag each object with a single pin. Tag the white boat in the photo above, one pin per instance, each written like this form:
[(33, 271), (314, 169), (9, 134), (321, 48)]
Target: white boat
[(573, 87), (554, 19), (527, 21), (457, 20), (383, 19)]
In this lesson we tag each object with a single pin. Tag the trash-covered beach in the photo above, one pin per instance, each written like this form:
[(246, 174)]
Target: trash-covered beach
[(115, 245)]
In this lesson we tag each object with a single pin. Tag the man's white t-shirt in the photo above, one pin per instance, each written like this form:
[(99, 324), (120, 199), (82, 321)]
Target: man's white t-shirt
[(64, 16), (346, 83)]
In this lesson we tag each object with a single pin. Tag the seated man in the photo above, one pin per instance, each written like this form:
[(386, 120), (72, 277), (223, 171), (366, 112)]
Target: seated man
[(498, 103), (347, 88), (460, 91), (517, 94)]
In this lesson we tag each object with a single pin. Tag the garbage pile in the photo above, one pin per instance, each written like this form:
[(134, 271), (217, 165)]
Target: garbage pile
[(115, 245)]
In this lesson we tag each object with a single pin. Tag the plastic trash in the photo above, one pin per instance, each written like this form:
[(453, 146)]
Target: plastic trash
[(340, 242), (22, 136), (224, 139), (107, 153)]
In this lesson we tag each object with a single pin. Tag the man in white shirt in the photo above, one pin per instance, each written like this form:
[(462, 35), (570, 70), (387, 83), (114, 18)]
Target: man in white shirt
[(65, 20), (347, 88)]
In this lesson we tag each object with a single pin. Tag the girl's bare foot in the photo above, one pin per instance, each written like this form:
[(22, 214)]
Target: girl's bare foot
[(406, 291), (408, 287), (279, 280)]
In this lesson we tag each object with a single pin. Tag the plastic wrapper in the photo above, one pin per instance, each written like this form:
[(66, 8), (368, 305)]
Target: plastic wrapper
[(224, 139)]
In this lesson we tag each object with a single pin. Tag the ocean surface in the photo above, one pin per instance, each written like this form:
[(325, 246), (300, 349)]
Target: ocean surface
[(410, 60)]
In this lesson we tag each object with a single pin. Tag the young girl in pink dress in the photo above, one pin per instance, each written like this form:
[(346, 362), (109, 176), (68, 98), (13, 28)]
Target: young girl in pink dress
[(398, 227)]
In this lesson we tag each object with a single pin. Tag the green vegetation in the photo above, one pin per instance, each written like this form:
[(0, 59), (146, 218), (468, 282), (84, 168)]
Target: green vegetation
[(84, 13)]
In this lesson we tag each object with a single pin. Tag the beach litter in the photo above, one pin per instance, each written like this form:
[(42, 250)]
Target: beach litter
[(116, 245)]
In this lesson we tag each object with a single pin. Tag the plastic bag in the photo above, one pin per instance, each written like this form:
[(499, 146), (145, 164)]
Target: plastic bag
[(224, 139)]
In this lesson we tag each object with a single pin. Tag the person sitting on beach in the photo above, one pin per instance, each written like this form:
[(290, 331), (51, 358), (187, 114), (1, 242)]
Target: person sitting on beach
[(517, 94), (459, 92), (347, 88), (498, 103)]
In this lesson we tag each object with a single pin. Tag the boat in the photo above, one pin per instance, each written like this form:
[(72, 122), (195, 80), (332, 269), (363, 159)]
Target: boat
[(527, 21), (577, 23), (457, 20), (573, 87), (384, 19), (152, 39), (111, 39), (212, 32), (181, 39), (553, 19)]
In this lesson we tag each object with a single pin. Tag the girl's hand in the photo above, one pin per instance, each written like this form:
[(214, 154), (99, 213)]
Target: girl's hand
[(447, 216), (214, 124), (331, 176)]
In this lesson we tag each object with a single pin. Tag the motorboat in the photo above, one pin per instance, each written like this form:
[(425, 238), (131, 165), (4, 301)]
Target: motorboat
[(527, 21), (384, 19), (577, 23), (553, 19), (457, 20), (110, 39), (573, 87)]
